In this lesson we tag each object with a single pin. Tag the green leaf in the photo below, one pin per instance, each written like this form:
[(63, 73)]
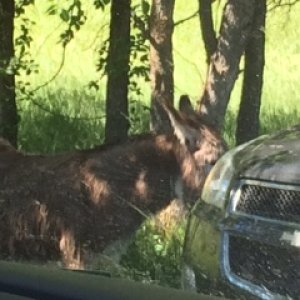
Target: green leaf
[(158, 247), (99, 4), (145, 7), (144, 58), (93, 84), (52, 10), (64, 15)]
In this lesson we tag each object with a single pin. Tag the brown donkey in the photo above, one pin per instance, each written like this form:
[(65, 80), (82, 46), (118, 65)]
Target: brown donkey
[(68, 207)]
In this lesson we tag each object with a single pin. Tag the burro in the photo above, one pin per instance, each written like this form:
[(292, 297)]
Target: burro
[(68, 207)]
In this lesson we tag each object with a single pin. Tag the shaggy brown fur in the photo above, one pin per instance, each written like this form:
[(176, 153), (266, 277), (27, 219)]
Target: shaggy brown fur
[(68, 207)]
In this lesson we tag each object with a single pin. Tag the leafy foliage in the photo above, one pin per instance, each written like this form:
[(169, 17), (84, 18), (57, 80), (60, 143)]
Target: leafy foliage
[(155, 255), (24, 63), (20, 6), (101, 4), (139, 117), (139, 41), (139, 45), (22, 42), (74, 17)]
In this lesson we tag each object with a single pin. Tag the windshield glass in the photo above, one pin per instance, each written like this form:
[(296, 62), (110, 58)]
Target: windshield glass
[(113, 113)]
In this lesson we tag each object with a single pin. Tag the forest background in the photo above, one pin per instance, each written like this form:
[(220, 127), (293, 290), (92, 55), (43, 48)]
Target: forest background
[(63, 112)]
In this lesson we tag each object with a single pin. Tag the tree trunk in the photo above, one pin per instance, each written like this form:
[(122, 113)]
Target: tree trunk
[(224, 66), (248, 117), (8, 109), (117, 123), (207, 28), (161, 58)]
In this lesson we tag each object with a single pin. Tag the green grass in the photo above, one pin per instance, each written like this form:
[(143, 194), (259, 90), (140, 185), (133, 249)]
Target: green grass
[(69, 125), (66, 114), (155, 255)]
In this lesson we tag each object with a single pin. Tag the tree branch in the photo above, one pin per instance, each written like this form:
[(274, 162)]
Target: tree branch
[(207, 28), (179, 22), (28, 95), (282, 3)]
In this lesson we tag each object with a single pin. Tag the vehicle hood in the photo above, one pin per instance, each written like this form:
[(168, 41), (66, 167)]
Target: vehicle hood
[(272, 157)]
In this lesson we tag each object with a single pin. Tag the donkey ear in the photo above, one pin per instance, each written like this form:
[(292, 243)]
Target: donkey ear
[(161, 114), (185, 104), (184, 132), (160, 121)]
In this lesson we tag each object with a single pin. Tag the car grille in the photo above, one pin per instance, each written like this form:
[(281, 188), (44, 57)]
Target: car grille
[(275, 268), (269, 202)]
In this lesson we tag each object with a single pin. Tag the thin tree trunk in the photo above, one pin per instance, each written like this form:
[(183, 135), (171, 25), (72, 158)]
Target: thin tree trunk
[(161, 58), (117, 123), (207, 28), (248, 117), (224, 66), (8, 109)]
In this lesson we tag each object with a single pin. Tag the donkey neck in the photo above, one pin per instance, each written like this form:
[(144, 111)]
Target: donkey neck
[(140, 171)]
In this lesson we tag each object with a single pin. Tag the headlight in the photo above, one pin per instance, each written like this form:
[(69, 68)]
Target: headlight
[(218, 181)]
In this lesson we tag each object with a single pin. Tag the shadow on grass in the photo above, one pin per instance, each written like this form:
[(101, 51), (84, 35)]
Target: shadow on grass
[(53, 133), (59, 121), (63, 121)]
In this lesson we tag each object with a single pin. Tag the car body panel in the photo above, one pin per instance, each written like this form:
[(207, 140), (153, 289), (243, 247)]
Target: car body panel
[(273, 158), (271, 161)]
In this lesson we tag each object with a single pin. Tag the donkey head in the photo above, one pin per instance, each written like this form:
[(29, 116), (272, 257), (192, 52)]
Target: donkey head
[(201, 145)]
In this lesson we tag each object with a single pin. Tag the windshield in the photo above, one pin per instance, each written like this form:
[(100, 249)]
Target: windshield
[(112, 114)]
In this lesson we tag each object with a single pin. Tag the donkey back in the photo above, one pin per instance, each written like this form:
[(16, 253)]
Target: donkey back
[(66, 207)]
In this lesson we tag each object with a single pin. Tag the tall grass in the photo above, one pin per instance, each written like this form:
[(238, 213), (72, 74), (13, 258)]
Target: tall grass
[(58, 121)]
